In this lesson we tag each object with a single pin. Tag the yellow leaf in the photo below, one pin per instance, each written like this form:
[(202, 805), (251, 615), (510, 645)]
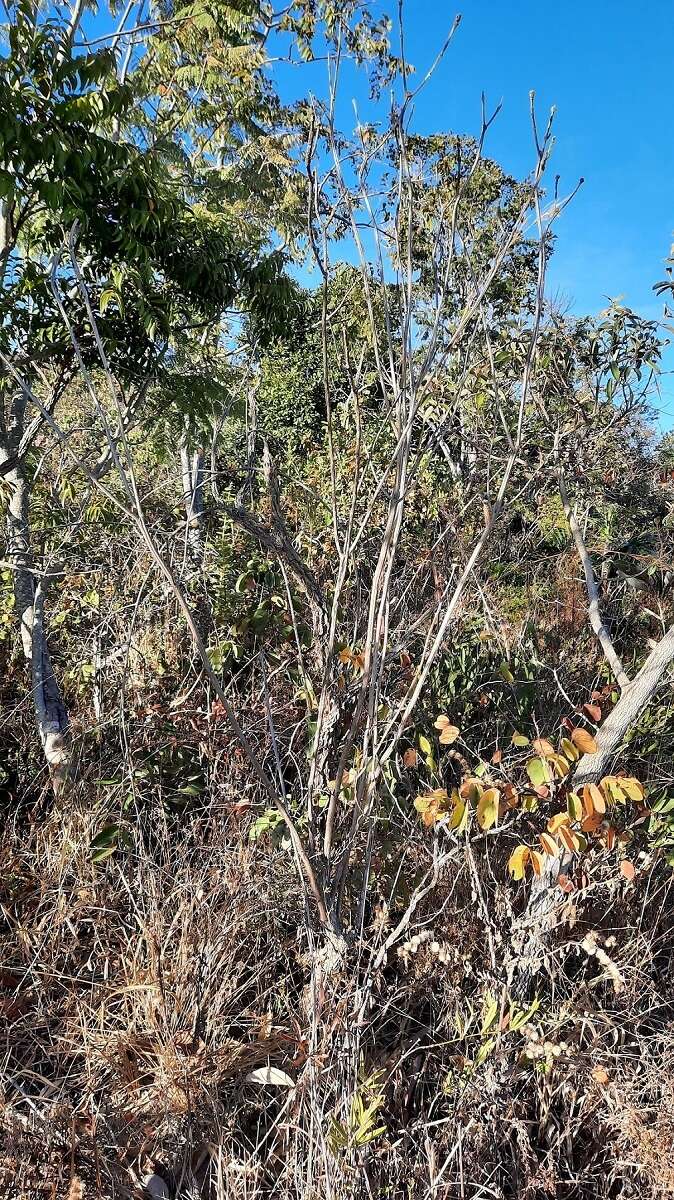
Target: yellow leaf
[(555, 823), (487, 808), (569, 749), (424, 744), (560, 763), (459, 817), (584, 741), (518, 861), (518, 739), (631, 787), (574, 806)]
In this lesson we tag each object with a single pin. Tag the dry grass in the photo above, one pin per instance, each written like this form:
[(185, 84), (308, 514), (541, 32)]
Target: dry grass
[(138, 996)]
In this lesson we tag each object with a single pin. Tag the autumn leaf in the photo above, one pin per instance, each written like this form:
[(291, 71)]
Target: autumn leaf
[(572, 841), (593, 711), (569, 750), (449, 734), (410, 757), (543, 746), (459, 816), (593, 799), (538, 772), (600, 1075), (517, 862), (627, 869), (496, 757), (519, 740), (574, 807), (584, 741), (487, 808), (555, 823), (537, 862), (345, 656), (631, 787), (549, 844)]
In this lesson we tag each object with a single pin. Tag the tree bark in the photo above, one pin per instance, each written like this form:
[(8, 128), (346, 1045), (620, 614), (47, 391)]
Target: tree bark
[(50, 711), (192, 471), (530, 940), (633, 700)]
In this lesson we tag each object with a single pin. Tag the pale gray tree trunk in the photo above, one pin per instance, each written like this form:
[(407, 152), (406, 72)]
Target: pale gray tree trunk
[(192, 472), (540, 918), (50, 711)]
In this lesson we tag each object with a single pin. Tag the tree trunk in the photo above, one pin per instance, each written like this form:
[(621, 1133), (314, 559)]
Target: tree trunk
[(50, 711), (633, 700), (192, 471), (540, 918)]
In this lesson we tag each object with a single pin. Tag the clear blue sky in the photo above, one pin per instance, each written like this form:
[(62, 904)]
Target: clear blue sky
[(609, 69)]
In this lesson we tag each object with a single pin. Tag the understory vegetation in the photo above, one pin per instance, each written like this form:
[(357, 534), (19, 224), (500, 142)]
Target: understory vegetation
[(336, 637)]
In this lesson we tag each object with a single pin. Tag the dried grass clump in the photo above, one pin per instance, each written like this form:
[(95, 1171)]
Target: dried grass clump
[(140, 995)]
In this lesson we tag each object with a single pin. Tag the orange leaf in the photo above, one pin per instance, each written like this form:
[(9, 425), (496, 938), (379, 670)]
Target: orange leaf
[(569, 838), (565, 884), (496, 757), (441, 722), (593, 711), (627, 869), (449, 734), (584, 741), (537, 862), (543, 746), (410, 757), (549, 844)]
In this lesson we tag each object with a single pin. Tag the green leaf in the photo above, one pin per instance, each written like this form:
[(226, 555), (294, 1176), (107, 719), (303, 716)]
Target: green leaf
[(424, 744), (538, 772)]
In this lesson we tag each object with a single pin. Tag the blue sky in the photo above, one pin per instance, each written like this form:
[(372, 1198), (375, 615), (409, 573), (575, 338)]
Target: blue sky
[(609, 69), (607, 66)]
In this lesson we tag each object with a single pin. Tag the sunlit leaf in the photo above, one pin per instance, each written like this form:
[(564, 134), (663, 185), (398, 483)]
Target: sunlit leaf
[(518, 860), (549, 844), (543, 747), (538, 772), (584, 741), (487, 808)]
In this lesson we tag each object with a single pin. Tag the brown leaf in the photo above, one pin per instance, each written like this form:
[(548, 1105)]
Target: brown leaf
[(593, 711), (410, 757), (584, 741), (543, 746), (600, 1075)]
